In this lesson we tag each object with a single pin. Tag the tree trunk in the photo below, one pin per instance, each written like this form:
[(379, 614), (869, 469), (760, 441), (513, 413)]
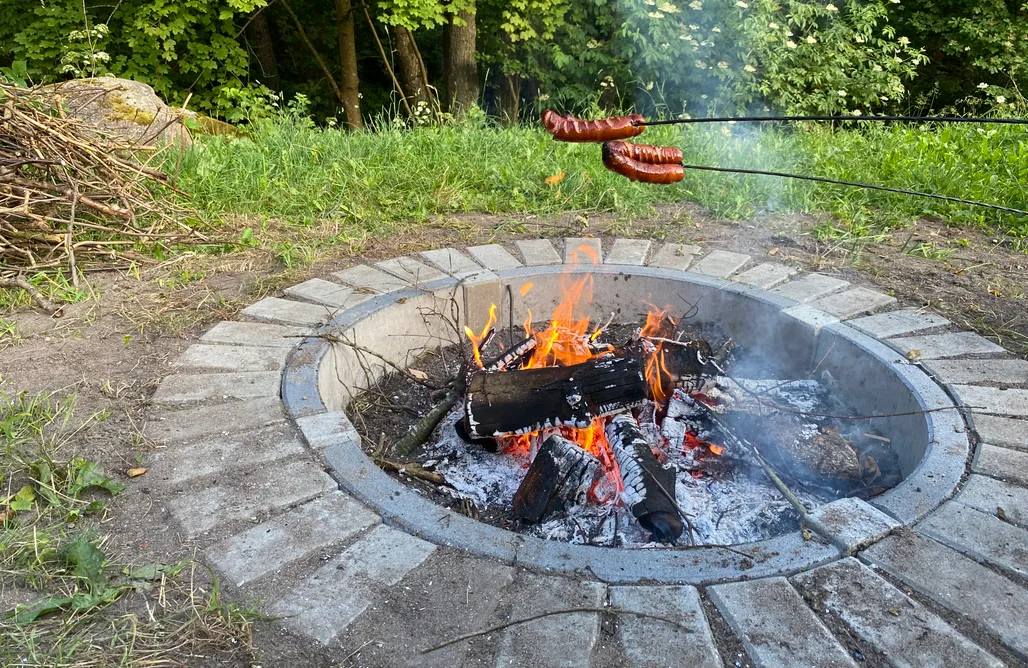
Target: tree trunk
[(348, 63), (264, 49), (412, 79), (462, 73), (510, 99)]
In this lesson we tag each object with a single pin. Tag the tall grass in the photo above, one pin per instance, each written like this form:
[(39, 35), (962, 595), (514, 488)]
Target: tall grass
[(289, 168)]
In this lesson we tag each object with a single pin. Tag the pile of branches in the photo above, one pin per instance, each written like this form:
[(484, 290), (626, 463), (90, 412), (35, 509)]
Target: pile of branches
[(75, 200)]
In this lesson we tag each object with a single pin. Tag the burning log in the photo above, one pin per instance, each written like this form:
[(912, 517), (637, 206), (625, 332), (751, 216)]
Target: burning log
[(561, 471), (649, 487)]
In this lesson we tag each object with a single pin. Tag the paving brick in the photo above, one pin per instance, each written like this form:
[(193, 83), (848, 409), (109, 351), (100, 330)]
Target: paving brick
[(369, 278), (1002, 463), (812, 318), (232, 358), (958, 583), (976, 371), (879, 614), (980, 535), (245, 494), (225, 452), (536, 252), (452, 261), (628, 251), (494, 257), (853, 302), (573, 253), (776, 626), (288, 312), (291, 536), (480, 292), (223, 419), (255, 334), (674, 256), (410, 270), (563, 641), (809, 287), (320, 291), (720, 264), (950, 344), (851, 523), (993, 399), (185, 388), (656, 645), (767, 275), (896, 323), (996, 497), (1006, 432), (325, 429), (324, 604)]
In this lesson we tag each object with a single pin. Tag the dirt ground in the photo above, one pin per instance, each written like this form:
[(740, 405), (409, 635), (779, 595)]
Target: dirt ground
[(113, 348)]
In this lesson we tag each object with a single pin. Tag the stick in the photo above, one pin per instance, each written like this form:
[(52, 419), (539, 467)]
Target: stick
[(385, 60), (314, 52), (424, 427), (43, 302), (569, 611), (413, 470), (839, 119)]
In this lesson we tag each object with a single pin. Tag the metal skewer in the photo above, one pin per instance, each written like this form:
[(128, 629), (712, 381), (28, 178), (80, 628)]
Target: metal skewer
[(841, 119)]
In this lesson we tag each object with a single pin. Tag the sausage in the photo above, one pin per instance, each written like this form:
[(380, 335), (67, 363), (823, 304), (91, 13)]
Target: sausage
[(643, 172), (569, 128), (654, 155)]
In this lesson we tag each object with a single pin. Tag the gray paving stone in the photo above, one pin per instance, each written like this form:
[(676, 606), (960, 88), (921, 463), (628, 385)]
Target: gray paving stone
[(494, 257), (536, 252), (1002, 431), (325, 429), (186, 388), (592, 255), (654, 645), (410, 270), (975, 371), (564, 641), (242, 494), (320, 291), (776, 626), (1002, 463), (993, 399), (369, 278), (950, 344), (223, 419), (895, 323), (674, 256), (809, 287), (288, 312), (907, 634), (720, 264), (812, 318), (291, 536), (628, 251), (225, 452), (996, 497), (766, 276), (324, 604), (255, 334), (853, 302), (452, 261), (231, 358), (980, 535), (851, 523)]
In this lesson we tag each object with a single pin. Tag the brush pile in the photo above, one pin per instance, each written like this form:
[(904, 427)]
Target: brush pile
[(73, 199)]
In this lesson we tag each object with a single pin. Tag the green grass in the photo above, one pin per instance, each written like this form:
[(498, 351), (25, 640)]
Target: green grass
[(368, 182)]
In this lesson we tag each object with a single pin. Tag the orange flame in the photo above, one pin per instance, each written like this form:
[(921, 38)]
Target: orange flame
[(476, 339), (656, 370), (716, 449)]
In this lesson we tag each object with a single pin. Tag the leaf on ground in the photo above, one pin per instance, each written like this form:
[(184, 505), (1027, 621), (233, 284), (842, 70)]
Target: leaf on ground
[(555, 179), (136, 472), (91, 474), (914, 355), (417, 373), (154, 571), (88, 563), (23, 499), (23, 614), (44, 476)]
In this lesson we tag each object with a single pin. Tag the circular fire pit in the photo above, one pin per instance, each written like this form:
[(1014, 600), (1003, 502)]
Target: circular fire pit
[(793, 340)]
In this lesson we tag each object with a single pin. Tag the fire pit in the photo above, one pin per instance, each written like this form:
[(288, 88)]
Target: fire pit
[(683, 419)]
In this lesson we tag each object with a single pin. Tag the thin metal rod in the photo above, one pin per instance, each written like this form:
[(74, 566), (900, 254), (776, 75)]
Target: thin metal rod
[(821, 179), (840, 119)]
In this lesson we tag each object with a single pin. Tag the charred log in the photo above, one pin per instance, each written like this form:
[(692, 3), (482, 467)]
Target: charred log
[(648, 485), (562, 471)]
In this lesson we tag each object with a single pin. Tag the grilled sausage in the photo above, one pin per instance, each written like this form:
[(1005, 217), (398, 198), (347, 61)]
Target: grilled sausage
[(654, 155), (643, 172), (569, 128)]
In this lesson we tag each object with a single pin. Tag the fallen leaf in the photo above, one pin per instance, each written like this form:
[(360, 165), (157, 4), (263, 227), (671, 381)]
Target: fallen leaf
[(773, 251), (401, 300), (807, 535), (4, 515), (895, 612), (1000, 513), (555, 179), (914, 355), (135, 473), (417, 373)]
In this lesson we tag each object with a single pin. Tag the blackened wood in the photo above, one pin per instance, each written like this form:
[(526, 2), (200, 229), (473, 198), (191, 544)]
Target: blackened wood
[(648, 485), (561, 471)]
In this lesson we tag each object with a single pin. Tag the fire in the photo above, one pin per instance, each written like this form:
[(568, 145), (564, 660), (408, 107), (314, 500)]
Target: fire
[(476, 339), (657, 324)]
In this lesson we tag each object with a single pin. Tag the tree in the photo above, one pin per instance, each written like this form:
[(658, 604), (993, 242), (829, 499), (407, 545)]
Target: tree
[(413, 78), (348, 64), (461, 70)]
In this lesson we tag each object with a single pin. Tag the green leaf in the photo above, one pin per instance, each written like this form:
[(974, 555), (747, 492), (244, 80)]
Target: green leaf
[(44, 476), (28, 612), (87, 562), (23, 499), (91, 474), (154, 571)]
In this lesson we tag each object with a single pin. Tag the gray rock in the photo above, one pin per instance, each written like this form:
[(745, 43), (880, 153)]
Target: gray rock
[(979, 534), (573, 253), (650, 643), (896, 323)]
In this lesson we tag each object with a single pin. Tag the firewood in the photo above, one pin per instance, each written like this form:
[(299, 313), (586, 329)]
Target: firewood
[(561, 471), (424, 427)]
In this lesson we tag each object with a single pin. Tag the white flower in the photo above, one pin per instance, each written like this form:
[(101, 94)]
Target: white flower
[(700, 64), (649, 86), (857, 112), (668, 8), (859, 39), (722, 65), (791, 44), (715, 29), (832, 8), (593, 44), (983, 85), (877, 68), (693, 26), (685, 37), (655, 15), (772, 25), (841, 93), (884, 98), (544, 97), (895, 2), (651, 2), (749, 68), (905, 41), (811, 39), (696, 4), (740, 3), (726, 131), (1001, 99)]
